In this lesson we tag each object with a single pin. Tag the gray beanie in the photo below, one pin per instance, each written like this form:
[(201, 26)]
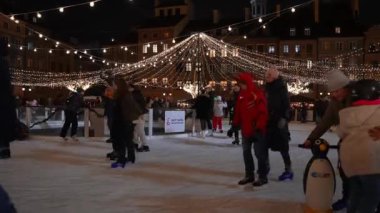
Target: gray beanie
[(336, 79)]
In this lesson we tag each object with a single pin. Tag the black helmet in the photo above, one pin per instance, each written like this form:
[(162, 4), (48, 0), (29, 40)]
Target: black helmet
[(366, 89)]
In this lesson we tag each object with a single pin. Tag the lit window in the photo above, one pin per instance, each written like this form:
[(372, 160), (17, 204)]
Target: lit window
[(286, 48), (307, 31), (339, 46), (297, 49), (188, 67), (145, 48), (165, 46), (292, 32), (212, 53), (271, 49), (235, 52), (224, 52), (155, 48), (309, 64), (337, 30)]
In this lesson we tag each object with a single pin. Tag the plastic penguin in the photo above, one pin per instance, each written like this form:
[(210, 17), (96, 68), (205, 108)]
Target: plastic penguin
[(319, 180)]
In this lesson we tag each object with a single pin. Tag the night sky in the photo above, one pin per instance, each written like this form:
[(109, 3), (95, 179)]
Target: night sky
[(116, 18)]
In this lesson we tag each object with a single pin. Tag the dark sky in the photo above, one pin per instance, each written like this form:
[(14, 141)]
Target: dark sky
[(115, 18)]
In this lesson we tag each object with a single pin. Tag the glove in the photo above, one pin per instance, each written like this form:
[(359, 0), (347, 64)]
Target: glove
[(281, 123)]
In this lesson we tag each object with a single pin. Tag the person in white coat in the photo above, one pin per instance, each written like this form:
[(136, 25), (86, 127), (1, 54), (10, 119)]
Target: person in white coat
[(218, 114), (359, 152)]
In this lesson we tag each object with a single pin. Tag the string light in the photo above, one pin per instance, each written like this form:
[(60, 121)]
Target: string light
[(39, 15), (61, 9), (293, 10), (92, 4)]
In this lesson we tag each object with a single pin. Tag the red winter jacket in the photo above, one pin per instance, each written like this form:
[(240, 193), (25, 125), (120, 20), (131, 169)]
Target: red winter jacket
[(251, 108)]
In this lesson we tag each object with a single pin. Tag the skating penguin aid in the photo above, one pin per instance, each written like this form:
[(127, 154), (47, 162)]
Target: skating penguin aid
[(319, 180)]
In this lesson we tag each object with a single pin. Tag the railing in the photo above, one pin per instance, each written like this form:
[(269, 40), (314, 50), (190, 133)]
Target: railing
[(92, 123)]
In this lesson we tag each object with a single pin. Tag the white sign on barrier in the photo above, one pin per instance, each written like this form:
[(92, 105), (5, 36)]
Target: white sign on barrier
[(174, 121)]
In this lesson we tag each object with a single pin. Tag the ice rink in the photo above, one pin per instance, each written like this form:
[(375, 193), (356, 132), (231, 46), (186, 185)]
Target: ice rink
[(180, 174)]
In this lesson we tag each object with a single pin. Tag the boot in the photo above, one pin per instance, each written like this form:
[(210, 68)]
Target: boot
[(246, 180), (119, 163), (287, 175), (145, 148), (236, 141), (5, 154), (260, 182)]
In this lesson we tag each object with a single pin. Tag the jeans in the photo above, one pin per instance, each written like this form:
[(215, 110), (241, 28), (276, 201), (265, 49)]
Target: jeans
[(261, 153), (364, 193), (70, 119)]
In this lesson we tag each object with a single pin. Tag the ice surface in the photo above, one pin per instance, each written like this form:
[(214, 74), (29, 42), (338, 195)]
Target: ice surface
[(182, 174)]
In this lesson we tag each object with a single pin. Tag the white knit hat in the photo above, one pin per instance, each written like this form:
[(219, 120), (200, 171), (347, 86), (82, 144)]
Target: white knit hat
[(336, 80)]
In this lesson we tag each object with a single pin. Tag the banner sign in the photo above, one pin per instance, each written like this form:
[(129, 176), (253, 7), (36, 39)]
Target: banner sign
[(174, 121)]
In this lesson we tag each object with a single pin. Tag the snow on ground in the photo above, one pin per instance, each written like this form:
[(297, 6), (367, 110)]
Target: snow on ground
[(182, 174)]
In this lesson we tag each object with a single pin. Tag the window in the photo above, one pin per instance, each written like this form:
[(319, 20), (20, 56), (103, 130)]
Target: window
[(67, 68), (286, 49), (339, 46), (170, 12), (353, 45), (235, 52), (271, 49), (260, 48), (224, 52), (307, 31), (337, 30), (309, 64), (326, 45), (29, 63), (155, 48), (18, 29), (162, 13), (165, 47), (309, 48), (292, 32), (52, 66), (166, 35), (5, 25), (297, 49), (155, 35), (188, 67), (212, 53), (145, 36), (145, 48), (250, 47), (30, 45), (177, 12)]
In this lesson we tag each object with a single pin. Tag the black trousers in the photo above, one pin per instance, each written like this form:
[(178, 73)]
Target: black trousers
[(123, 142), (204, 122), (261, 153), (70, 119)]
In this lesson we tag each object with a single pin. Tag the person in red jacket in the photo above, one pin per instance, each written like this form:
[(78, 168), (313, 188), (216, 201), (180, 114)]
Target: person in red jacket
[(251, 115)]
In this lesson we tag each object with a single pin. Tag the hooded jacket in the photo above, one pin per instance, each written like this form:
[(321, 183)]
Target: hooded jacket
[(251, 112), (359, 153)]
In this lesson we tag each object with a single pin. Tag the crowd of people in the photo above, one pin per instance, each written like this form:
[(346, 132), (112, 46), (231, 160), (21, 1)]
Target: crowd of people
[(260, 114)]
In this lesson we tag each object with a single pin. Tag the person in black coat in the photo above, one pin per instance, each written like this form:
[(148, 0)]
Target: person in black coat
[(279, 114), (7, 105), (203, 107), (235, 96), (73, 104)]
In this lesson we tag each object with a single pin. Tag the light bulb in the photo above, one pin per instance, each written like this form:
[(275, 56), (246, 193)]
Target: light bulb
[(245, 37), (40, 35), (39, 15), (92, 4), (12, 18), (61, 9), (104, 50), (229, 28), (293, 9), (260, 20), (50, 51)]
